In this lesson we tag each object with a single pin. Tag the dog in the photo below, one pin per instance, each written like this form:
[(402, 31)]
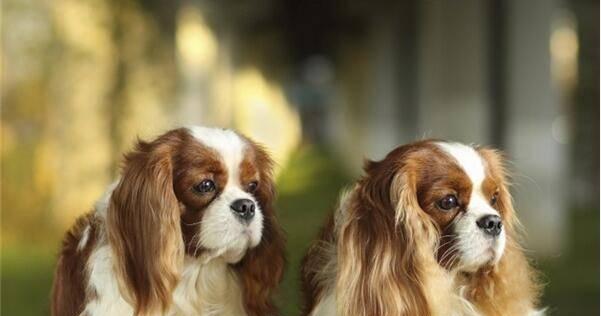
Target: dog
[(188, 229), (428, 230)]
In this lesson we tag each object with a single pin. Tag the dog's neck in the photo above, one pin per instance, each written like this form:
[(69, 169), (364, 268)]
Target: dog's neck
[(208, 286)]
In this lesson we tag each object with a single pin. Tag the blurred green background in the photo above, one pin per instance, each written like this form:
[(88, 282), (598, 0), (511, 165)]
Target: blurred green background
[(324, 84)]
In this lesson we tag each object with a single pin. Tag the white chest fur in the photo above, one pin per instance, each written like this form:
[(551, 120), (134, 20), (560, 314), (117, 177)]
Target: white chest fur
[(205, 289)]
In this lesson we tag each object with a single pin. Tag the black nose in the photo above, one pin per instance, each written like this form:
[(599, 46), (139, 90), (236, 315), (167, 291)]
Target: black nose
[(490, 224), (244, 208)]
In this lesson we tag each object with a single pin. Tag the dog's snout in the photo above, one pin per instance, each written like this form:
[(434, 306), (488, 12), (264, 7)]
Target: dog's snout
[(490, 224), (244, 209)]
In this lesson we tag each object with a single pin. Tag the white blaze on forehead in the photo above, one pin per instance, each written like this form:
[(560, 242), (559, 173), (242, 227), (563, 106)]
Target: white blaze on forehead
[(468, 159), (227, 143), (473, 165)]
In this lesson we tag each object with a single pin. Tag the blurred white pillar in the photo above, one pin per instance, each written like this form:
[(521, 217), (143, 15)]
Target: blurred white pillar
[(539, 160), (383, 120), (452, 77), (375, 108), (391, 120)]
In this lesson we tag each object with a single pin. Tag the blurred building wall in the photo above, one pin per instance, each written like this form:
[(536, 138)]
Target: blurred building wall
[(533, 106)]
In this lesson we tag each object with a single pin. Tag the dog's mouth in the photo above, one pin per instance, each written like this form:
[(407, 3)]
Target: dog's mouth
[(231, 255), (485, 259), (234, 255), (491, 254), (457, 254), (496, 249)]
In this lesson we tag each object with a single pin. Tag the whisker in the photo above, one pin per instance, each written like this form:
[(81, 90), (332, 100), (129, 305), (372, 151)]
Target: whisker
[(193, 224), (442, 245), (454, 260), (449, 252)]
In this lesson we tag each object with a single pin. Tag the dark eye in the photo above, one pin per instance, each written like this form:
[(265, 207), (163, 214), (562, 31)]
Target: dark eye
[(252, 187), (205, 186), (493, 200), (448, 202)]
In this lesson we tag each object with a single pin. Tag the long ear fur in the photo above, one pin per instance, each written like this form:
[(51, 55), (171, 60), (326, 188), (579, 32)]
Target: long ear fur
[(383, 242), (511, 288), (143, 224), (261, 269)]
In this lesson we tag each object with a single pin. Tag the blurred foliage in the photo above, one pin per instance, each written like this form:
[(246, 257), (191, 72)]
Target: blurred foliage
[(86, 78), (26, 280), (309, 186)]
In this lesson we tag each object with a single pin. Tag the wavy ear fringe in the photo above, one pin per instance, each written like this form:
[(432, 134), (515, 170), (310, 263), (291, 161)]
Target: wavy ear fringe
[(382, 246), (143, 224)]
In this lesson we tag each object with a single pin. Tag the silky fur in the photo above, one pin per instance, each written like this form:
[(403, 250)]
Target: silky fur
[(138, 252), (377, 255)]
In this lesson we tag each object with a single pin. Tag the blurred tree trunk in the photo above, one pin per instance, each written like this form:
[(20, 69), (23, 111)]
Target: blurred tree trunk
[(144, 87), (453, 74), (26, 175), (81, 83), (113, 80)]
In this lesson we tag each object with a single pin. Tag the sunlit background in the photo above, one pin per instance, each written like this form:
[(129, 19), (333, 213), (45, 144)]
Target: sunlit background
[(323, 84)]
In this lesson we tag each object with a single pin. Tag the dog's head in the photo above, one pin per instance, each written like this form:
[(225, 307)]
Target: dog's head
[(426, 207), (199, 192), (456, 193)]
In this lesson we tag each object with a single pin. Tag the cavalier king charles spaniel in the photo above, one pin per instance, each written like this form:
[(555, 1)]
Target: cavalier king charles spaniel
[(189, 229), (429, 230)]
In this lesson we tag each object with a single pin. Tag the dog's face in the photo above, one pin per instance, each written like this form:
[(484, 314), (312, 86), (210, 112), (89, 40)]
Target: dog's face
[(200, 192), (460, 190), (457, 190), (220, 185)]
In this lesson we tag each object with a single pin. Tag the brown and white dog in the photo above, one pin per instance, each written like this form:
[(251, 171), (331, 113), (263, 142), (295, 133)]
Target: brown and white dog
[(189, 229), (429, 230)]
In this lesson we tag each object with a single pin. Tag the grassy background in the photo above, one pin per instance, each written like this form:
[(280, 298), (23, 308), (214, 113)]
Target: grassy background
[(306, 195)]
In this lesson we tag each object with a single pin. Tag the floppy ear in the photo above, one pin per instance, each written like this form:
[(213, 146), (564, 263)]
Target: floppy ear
[(261, 269), (379, 246), (143, 224)]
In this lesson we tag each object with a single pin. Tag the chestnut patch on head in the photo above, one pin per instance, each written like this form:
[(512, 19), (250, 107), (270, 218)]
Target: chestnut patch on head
[(249, 171), (443, 188), (493, 186), (490, 190), (443, 191), (199, 176)]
